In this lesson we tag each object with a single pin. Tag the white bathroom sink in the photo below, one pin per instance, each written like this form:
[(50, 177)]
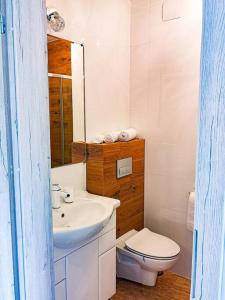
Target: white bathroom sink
[(79, 221)]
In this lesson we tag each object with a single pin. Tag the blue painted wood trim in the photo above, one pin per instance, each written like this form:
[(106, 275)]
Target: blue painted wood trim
[(28, 87), (13, 265), (7, 282), (210, 182)]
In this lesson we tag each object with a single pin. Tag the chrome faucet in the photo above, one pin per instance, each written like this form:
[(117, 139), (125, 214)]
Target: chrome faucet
[(57, 194)]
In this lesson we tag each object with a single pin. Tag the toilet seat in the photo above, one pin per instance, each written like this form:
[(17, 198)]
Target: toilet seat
[(139, 259), (152, 245), (151, 257)]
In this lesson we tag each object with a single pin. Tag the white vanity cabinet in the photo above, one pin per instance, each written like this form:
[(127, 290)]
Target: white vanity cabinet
[(107, 274), (89, 271), (82, 273), (60, 279)]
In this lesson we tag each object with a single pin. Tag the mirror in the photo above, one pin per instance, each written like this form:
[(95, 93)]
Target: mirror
[(66, 78)]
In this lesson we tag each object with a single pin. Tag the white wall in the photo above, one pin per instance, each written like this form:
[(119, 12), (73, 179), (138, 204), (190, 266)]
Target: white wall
[(104, 27), (163, 85), (165, 60), (71, 175), (78, 93)]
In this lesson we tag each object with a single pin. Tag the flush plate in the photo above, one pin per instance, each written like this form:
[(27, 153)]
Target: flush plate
[(124, 167)]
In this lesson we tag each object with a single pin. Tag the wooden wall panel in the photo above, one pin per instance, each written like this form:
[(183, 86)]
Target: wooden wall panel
[(59, 57), (56, 130), (134, 222), (55, 121), (102, 180), (67, 119), (78, 152), (59, 62)]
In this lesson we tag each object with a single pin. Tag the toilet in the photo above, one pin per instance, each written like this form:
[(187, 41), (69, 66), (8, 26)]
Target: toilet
[(141, 255)]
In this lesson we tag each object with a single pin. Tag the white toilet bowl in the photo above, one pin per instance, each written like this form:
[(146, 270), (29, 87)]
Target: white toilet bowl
[(141, 255)]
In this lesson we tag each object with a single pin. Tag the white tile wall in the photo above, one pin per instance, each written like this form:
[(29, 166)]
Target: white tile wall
[(164, 90), (104, 27), (152, 86), (71, 175)]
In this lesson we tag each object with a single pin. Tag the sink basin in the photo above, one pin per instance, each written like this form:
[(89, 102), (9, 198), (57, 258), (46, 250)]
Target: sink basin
[(79, 221)]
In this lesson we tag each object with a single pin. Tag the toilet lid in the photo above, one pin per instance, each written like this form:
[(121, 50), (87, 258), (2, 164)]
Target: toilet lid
[(152, 244)]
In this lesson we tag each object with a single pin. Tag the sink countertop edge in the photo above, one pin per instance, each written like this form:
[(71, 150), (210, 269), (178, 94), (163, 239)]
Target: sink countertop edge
[(114, 202)]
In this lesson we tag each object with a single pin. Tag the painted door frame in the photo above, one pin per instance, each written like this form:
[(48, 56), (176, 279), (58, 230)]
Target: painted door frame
[(7, 228), (26, 220), (25, 215), (208, 275)]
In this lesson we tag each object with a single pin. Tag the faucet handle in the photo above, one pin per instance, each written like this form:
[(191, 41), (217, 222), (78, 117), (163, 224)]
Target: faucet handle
[(67, 194), (56, 187)]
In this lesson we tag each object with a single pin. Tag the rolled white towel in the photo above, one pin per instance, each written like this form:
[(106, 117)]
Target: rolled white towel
[(98, 139), (112, 137), (128, 134)]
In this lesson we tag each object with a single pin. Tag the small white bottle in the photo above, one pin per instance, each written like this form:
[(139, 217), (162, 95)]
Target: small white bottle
[(56, 203)]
